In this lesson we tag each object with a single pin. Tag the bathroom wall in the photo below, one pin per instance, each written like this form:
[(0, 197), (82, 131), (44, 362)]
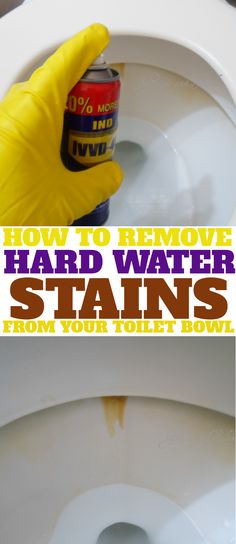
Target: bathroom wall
[(8, 5)]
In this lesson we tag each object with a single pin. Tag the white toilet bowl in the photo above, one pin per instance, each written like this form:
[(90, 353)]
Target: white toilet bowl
[(177, 134), (157, 455)]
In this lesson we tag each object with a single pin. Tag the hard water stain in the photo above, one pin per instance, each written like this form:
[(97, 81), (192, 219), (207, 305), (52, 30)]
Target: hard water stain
[(120, 67), (114, 410)]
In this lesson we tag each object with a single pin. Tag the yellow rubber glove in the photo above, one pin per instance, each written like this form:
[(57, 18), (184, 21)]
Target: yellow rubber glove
[(35, 186)]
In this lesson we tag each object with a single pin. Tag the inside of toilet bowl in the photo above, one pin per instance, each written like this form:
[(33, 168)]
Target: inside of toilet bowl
[(157, 188), (149, 518), (176, 146), (123, 533), (167, 469)]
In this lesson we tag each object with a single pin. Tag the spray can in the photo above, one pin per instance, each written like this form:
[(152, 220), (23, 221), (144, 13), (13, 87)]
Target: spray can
[(90, 125)]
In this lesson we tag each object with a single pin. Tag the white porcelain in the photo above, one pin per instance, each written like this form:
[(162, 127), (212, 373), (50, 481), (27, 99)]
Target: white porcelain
[(183, 454), (58, 460), (41, 372), (159, 518), (173, 436), (178, 98)]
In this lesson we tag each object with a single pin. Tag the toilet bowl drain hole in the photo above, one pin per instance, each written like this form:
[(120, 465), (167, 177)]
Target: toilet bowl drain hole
[(124, 514), (123, 533), (156, 189), (130, 153)]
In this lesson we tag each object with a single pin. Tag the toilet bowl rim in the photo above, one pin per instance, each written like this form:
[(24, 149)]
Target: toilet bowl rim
[(211, 52), (88, 396)]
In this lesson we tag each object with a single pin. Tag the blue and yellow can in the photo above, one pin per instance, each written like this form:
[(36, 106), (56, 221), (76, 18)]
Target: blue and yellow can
[(90, 126)]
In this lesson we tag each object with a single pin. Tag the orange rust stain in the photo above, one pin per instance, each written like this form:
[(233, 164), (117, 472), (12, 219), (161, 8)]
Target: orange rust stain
[(120, 67), (114, 410)]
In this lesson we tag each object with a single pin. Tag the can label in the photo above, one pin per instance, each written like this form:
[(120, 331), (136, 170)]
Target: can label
[(90, 151), (91, 119)]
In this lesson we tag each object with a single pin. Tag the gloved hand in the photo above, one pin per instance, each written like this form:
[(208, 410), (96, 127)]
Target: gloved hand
[(35, 186)]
